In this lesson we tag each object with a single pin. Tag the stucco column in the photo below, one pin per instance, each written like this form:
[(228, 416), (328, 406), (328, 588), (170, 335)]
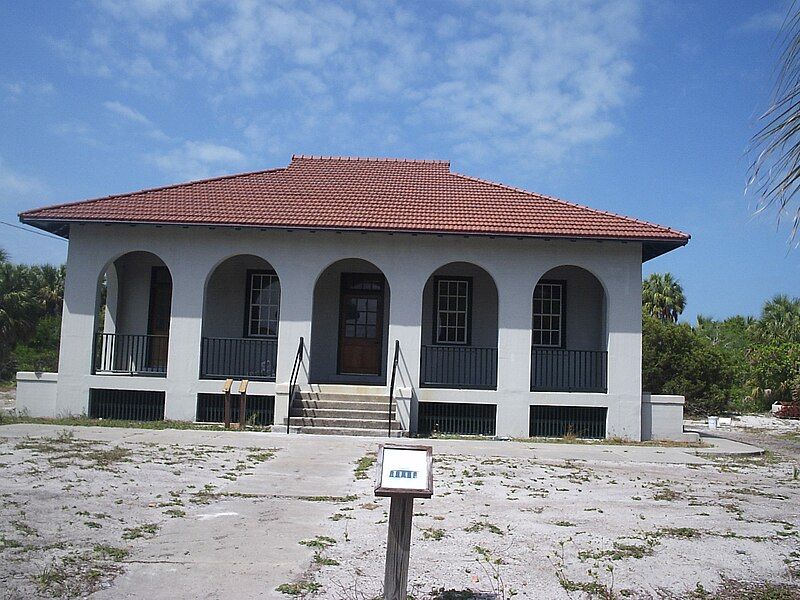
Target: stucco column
[(514, 294), (625, 353), (297, 301), (185, 330), (405, 314), (77, 328)]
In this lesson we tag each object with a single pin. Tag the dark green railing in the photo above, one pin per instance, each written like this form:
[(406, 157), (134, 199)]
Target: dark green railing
[(126, 405), (561, 421), (459, 367), (259, 410), (246, 358), (120, 353), (456, 418), (556, 370)]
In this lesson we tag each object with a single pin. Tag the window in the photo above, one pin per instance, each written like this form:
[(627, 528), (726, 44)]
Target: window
[(263, 304), (452, 311), (548, 314), (361, 317)]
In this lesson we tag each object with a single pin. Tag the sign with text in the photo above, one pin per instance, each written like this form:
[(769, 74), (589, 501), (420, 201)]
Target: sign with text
[(404, 470)]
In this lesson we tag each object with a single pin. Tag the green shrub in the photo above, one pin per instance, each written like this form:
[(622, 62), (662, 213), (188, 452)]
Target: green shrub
[(40, 353), (775, 366), (675, 360)]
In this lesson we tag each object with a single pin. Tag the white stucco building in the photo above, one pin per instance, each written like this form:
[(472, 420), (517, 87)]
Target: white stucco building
[(509, 313)]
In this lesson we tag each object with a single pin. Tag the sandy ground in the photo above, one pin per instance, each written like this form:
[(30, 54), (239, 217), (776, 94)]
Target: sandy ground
[(8, 399), (190, 514), (771, 433)]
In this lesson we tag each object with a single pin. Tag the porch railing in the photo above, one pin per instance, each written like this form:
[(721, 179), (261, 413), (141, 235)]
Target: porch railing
[(459, 367), (128, 354), (556, 370), (251, 358)]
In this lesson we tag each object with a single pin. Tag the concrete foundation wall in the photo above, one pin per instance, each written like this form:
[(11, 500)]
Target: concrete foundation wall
[(36, 394), (407, 261), (662, 417)]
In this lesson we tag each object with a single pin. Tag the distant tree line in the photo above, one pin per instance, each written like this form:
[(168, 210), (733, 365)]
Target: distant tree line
[(30, 316), (739, 364)]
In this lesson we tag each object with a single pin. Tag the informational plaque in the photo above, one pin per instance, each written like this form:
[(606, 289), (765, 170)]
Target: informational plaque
[(404, 470)]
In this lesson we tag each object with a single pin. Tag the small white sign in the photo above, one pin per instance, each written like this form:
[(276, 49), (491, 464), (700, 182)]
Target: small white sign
[(404, 470)]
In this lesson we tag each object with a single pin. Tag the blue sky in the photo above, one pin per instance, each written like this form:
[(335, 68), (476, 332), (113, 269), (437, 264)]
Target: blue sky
[(643, 109)]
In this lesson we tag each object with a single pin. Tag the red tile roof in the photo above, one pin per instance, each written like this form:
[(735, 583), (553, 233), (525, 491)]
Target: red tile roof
[(316, 192)]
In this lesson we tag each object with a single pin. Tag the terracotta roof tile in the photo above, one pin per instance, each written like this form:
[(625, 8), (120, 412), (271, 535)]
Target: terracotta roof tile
[(361, 194)]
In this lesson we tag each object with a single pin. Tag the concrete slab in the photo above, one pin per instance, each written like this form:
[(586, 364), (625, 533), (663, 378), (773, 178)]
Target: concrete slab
[(245, 540)]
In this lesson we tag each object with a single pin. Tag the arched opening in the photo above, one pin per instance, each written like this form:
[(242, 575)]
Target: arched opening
[(568, 332), (459, 328), (350, 324), (241, 315), (133, 317)]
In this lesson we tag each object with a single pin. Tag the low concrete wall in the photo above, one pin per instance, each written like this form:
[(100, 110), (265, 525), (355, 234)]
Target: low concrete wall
[(36, 394), (662, 417)]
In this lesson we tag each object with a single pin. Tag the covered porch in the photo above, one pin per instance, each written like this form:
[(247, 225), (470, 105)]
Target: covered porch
[(241, 316)]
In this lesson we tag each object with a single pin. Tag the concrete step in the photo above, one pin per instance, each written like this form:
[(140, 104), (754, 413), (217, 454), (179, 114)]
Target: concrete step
[(379, 424), (347, 431), (339, 413), (342, 397), (341, 405), (340, 388)]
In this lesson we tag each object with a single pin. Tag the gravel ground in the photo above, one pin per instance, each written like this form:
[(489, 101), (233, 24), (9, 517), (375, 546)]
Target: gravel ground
[(8, 399), (133, 514), (499, 527), (781, 436)]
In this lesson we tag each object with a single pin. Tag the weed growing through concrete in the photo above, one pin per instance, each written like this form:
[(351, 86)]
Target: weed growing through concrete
[(146, 530), (432, 533), (480, 526), (321, 542), (364, 464), (301, 588)]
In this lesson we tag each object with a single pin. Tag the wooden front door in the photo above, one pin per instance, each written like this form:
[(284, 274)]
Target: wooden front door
[(158, 318), (361, 324)]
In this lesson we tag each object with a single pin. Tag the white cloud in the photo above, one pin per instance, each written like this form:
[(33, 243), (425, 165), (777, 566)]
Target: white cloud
[(127, 112), (526, 81), (197, 160), (133, 115), (18, 89), (12, 182), (763, 22)]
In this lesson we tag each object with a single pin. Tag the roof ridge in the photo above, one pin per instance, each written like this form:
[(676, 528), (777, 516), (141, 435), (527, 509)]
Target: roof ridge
[(570, 203), (427, 161), (155, 189)]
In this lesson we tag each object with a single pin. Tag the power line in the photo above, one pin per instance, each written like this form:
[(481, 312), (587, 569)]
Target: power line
[(41, 233)]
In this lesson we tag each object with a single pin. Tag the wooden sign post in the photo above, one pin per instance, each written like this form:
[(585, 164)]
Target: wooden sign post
[(404, 472), (226, 389), (242, 403)]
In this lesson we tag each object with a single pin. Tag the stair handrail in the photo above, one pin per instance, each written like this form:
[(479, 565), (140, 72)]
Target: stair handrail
[(298, 361), (391, 386)]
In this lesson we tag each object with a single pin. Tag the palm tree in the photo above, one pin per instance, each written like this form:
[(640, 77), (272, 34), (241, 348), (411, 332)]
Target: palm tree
[(775, 171), (780, 320), (662, 297), (48, 287), (17, 313)]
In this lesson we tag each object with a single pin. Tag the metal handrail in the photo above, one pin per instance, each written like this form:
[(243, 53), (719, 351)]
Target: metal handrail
[(298, 361), (391, 386)]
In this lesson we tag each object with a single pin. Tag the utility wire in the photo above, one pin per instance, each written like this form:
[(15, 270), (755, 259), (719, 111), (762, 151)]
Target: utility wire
[(41, 233)]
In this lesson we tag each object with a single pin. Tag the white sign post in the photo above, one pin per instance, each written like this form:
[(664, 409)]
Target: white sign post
[(404, 472)]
